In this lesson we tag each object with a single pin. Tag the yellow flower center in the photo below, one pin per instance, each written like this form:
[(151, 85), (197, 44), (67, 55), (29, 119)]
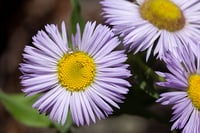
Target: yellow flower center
[(76, 71), (194, 90), (163, 14)]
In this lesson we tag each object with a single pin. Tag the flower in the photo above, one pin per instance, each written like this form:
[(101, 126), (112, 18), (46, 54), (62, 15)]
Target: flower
[(86, 79), (184, 79), (170, 23)]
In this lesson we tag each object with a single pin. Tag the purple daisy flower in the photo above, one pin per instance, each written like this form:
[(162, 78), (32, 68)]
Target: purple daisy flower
[(184, 78), (172, 22), (87, 79)]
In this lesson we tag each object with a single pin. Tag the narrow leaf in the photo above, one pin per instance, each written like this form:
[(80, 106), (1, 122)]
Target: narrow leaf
[(20, 108)]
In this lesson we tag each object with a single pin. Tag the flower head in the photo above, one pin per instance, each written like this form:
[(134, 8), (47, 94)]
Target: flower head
[(170, 23), (86, 79), (184, 78)]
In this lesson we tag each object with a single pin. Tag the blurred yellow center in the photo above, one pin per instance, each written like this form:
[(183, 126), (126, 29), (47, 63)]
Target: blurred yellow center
[(163, 14), (76, 71), (194, 90)]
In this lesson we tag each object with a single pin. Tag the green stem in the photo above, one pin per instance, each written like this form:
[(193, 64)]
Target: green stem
[(144, 76), (65, 128), (76, 16), (145, 68)]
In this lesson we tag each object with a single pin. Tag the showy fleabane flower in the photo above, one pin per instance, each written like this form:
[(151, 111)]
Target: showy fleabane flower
[(166, 23), (184, 79), (87, 79)]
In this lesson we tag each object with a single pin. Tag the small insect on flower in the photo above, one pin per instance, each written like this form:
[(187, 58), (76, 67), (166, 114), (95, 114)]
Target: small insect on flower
[(87, 79), (184, 79), (161, 25)]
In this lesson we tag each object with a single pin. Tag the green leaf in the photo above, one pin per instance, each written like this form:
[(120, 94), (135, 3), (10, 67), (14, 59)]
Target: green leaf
[(76, 16), (20, 107)]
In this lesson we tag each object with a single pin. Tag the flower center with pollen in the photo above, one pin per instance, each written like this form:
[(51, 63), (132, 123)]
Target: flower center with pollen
[(194, 90), (76, 71), (163, 14)]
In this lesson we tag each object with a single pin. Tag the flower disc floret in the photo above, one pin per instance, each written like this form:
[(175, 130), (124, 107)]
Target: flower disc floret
[(163, 14), (76, 71)]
